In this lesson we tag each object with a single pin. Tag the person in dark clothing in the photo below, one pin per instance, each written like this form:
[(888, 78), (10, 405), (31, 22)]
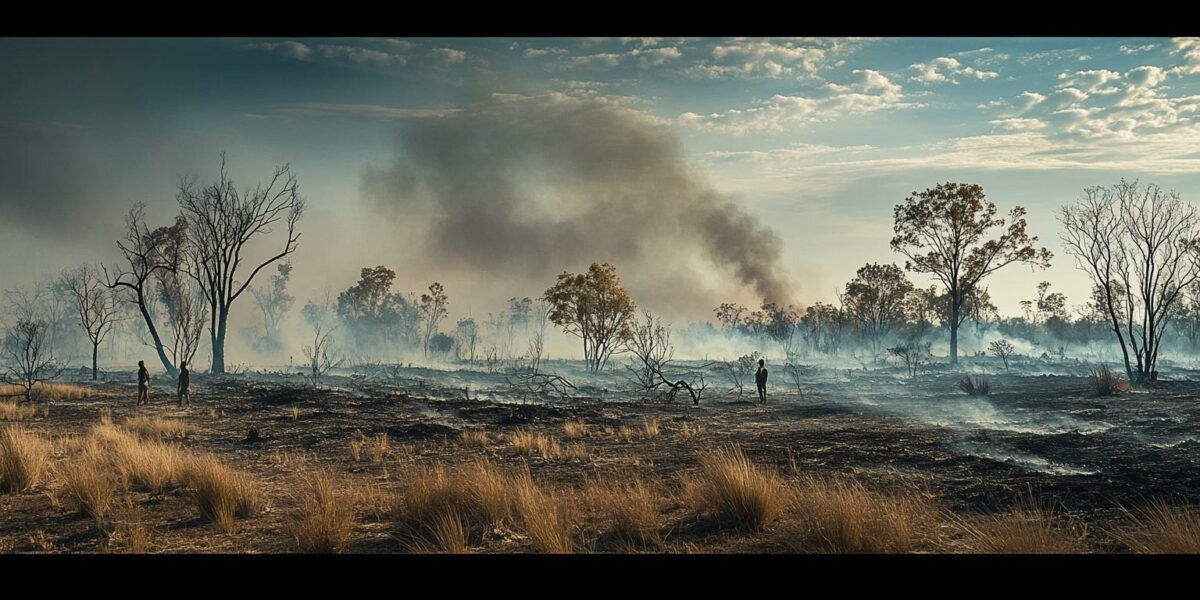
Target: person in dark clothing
[(143, 384), (185, 384), (760, 378)]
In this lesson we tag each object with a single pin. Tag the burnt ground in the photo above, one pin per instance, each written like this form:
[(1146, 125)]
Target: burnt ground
[(1044, 435)]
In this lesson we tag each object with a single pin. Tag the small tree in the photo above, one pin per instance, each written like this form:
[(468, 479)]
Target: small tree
[(441, 344), (1002, 349), (28, 358), (433, 310), (321, 355), (650, 343), (466, 333), (913, 354), (594, 307), (274, 302), (874, 300), (95, 305), (941, 231), (738, 370)]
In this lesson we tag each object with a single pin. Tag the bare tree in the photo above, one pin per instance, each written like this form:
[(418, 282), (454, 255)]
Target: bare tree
[(28, 358), (941, 231), (274, 302), (322, 356), (650, 343), (738, 370), (146, 254), (222, 221), (95, 304), (913, 354), (1139, 245)]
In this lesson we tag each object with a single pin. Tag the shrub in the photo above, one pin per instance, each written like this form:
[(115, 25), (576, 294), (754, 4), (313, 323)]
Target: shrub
[(1106, 383)]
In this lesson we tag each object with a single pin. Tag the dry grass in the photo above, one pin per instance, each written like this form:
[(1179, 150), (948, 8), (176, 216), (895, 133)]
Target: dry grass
[(577, 451), (378, 448), (324, 520), (1106, 383), (549, 516), (1161, 527), (650, 428), (24, 459), (977, 386), (91, 482), (1027, 529), (11, 410), (477, 496), (223, 493), (155, 466), (626, 434), (49, 392), (356, 445), (629, 509), (295, 413), (530, 443), (157, 428), (689, 431), (473, 438), (574, 429), (839, 515), (734, 491), (132, 527)]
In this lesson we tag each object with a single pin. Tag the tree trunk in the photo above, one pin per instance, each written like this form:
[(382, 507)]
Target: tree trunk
[(158, 345), (954, 309), (218, 350), (95, 352)]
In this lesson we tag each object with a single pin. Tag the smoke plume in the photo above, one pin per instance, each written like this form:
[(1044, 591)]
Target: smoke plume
[(521, 188)]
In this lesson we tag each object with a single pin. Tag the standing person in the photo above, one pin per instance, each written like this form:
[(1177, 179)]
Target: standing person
[(760, 378), (185, 384), (143, 384)]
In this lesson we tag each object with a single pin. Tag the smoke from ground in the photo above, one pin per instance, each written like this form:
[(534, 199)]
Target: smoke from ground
[(519, 189)]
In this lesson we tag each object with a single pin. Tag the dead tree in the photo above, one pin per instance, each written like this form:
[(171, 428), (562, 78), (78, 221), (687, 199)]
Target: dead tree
[(28, 360), (146, 253), (95, 305), (795, 372), (1139, 245), (321, 355), (650, 343), (913, 354), (222, 221), (738, 370), (1002, 349)]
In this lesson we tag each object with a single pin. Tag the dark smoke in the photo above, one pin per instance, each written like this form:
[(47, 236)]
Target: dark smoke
[(523, 188)]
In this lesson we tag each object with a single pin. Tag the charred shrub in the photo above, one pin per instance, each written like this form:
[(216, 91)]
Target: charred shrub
[(975, 386), (1104, 382)]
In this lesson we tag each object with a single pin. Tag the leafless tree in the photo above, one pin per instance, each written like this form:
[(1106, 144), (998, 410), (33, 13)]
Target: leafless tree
[(650, 344), (222, 221), (738, 370), (795, 372), (95, 304), (322, 356), (1139, 245), (28, 359), (146, 254), (913, 354)]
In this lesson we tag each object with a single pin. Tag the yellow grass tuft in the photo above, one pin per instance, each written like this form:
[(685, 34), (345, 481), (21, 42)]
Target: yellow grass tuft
[(11, 410), (356, 445), (325, 517), (629, 510), (650, 428), (24, 459), (530, 443), (839, 515), (132, 526), (626, 434), (549, 516), (1161, 527), (223, 493), (735, 491), (689, 431), (1027, 529), (378, 448), (574, 429), (157, 428), (473, 438), (49, 392), (89, 480)]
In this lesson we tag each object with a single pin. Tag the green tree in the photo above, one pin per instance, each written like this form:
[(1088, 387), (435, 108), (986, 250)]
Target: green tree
[(594, 307), (942, 231)]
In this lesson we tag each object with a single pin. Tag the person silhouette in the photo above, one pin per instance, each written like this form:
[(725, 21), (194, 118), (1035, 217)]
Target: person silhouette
[(760, 378), (185, 384), (143, 384)]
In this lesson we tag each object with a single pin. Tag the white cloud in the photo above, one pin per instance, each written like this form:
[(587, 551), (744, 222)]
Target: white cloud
[(867, 92), (945, 69), (290, 49), (1091, 82), (361, 55), (1130, 50), (534, 52), (1190, 49), (447, 56), (769, 58)]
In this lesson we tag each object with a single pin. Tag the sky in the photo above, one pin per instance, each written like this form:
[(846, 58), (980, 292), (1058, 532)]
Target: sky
[(705, 169)]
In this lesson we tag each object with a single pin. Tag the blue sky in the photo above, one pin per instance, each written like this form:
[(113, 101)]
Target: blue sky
[(817, 138)]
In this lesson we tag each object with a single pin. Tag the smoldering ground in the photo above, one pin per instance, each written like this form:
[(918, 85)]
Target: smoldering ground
[(517, 189)]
